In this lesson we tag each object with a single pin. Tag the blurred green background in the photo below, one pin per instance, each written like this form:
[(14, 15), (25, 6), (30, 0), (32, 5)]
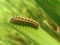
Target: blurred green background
[(45, 12)]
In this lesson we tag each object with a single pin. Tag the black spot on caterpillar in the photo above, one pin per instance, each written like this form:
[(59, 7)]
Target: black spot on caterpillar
[(25, 20)]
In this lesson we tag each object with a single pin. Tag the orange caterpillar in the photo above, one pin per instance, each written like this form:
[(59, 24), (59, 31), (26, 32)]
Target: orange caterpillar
[(25, 20)]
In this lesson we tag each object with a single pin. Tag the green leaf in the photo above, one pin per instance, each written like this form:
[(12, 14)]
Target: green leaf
[(16, 34), (49, 8)]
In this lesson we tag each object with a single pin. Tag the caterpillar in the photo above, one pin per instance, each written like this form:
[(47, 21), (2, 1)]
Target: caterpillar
[(25, 20)]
